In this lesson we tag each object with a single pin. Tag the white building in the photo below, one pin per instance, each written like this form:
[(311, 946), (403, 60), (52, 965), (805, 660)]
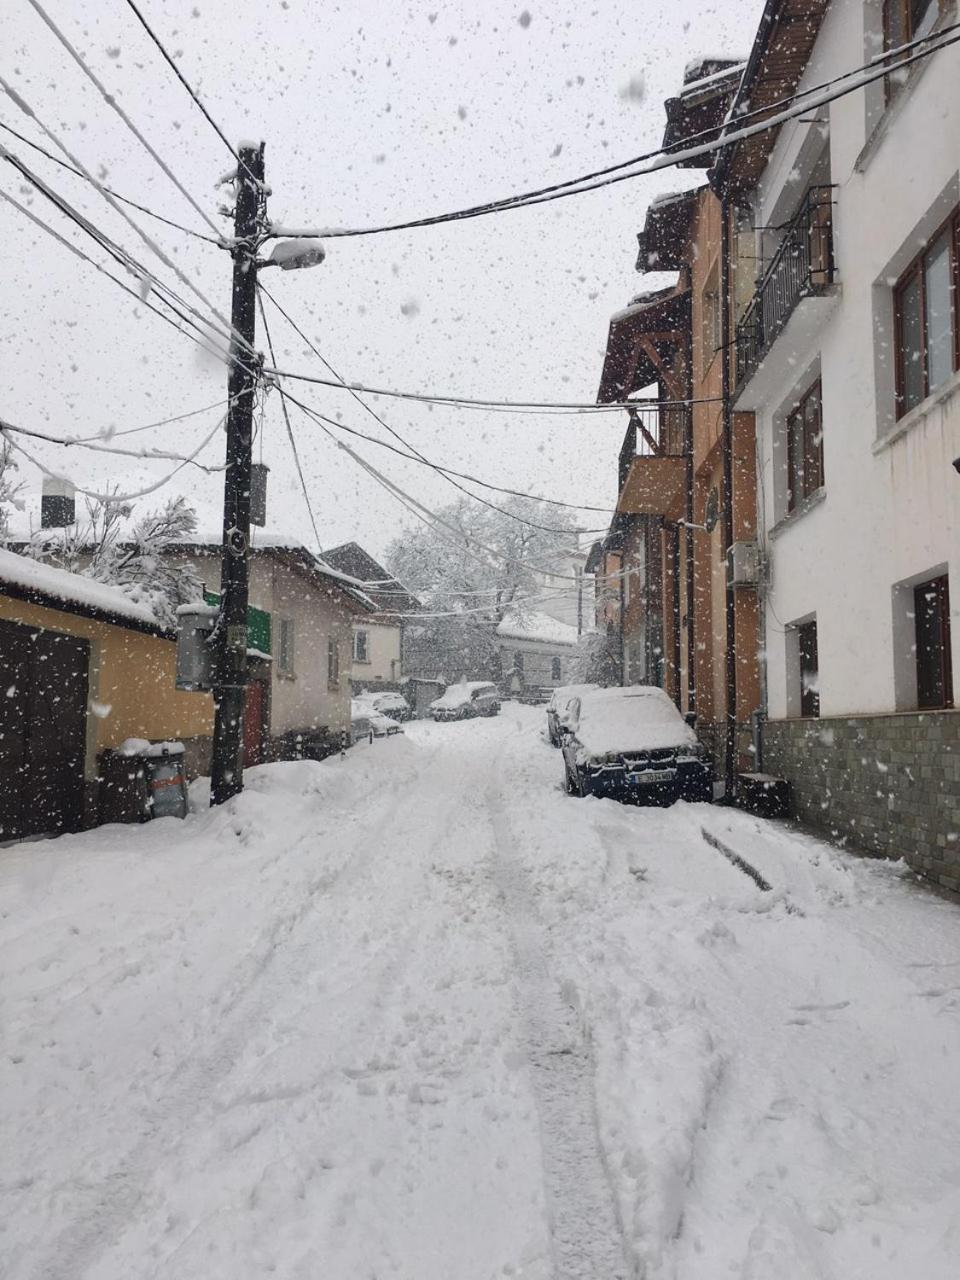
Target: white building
[(848, 353)]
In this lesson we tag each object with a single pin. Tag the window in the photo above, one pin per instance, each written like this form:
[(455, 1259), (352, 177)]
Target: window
[(931, 602), (805, 448), (903, 21), (925, 313), (361, 646), (333, 663), (710, 316), (809, 669), (285, 650), (518, 662), (555, 670)]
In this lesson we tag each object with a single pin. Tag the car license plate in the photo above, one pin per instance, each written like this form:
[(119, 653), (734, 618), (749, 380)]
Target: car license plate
[(652, 776)]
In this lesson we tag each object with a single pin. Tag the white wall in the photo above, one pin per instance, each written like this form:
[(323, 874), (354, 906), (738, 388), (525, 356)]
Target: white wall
[(892, 499), (383, 650)]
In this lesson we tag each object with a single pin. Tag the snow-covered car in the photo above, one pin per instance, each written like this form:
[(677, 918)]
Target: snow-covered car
[(471, 698), (366, 719), (557, 709), (633, 744), (389, 703)]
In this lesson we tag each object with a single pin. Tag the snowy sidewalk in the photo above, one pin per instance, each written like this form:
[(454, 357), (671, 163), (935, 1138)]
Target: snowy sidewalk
[(418, 1014)]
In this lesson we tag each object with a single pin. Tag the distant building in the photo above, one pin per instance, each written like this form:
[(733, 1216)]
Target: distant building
[(535, 651), (377, 648)]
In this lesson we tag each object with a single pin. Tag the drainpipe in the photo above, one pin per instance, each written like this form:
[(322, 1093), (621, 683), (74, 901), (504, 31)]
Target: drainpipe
[(688, 549), (730, 655)]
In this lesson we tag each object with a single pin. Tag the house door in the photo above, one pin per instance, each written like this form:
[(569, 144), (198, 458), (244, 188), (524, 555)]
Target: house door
[(254, 720), (43, 707)]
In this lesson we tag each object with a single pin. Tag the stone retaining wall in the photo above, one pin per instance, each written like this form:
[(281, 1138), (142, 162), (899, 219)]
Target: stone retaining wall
[(890, 784)]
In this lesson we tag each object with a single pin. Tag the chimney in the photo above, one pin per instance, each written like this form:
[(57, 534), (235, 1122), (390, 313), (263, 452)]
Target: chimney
[(57, 504)]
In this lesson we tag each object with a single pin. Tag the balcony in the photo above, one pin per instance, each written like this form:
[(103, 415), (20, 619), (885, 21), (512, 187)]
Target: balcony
[(802, 268), (653, 462)]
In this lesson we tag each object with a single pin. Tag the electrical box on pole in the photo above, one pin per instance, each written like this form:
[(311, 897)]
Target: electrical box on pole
[(230, 639)]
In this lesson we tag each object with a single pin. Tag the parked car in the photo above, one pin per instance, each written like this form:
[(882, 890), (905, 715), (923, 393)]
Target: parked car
[(632, 744), (471, 698), (366, 719), (388, 703), (557, 709)]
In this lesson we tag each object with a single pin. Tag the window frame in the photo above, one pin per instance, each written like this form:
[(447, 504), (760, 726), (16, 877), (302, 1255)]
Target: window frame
[(809, 698), (365, 634), (907, 33), (811, 451), (333, 663), (916, 270), (940, 586), (286, 648)]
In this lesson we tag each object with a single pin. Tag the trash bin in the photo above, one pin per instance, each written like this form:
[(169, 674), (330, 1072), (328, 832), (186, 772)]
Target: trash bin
[(140, 780)]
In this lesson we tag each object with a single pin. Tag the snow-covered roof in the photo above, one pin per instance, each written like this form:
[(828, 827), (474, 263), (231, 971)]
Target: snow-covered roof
[(537, 626), (638, 718), (74, 591)]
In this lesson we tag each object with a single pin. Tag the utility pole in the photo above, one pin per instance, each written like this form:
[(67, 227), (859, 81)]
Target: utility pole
[(226, 774)]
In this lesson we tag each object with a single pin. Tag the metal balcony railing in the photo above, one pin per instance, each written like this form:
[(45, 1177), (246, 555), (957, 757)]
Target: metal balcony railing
[(802, 266), (655, 430)]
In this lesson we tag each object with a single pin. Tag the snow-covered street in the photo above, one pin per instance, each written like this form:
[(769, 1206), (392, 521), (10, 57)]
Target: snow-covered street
[(418, 1014)]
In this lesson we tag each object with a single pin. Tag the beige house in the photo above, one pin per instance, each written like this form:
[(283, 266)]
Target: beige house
[(377, 644), (300, 635)]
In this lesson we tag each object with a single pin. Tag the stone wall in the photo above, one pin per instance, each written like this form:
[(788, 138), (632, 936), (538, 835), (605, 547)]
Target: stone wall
[(890, 784)]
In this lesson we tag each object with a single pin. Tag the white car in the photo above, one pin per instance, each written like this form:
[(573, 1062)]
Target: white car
[(471, 698), (388, 703), (365, 720)]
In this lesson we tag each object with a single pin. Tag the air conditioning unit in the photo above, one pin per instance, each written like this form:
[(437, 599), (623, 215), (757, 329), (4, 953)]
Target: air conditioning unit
[(743, 565)]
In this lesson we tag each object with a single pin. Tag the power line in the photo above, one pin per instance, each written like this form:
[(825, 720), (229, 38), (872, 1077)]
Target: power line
[(415, 454), (111, 101), (109, 434), (154, 248), (116, 194), (147, 455), (449, 471), (176, 71), (290, 435), (661, 158), (137, 297), (108, 496), (432, 518), (148, 281)]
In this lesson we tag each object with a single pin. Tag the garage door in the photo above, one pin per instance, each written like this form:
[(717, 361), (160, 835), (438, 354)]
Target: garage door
[(43, 707)]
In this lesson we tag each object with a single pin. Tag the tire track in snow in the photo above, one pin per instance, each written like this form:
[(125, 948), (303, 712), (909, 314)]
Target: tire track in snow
[(586, 1231)]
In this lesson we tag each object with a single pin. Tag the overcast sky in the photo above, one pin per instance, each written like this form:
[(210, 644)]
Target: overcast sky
[(370, 111)]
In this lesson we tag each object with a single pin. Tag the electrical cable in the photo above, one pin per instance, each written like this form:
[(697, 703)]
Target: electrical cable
[(290, 435), (176, 71), (109, 434), (108, 496), (154, 248), (663, 157), (144, 454), (432, 518), (148, 281), (116, 194), (111, 101), (415, 454), (449, 471), (135, 294)]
